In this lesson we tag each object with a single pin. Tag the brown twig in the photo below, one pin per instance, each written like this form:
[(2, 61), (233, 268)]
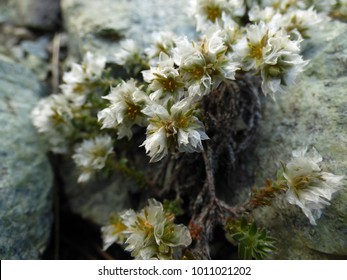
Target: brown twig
[(55, 62), (103, 253), (216, 211), (56, 205)]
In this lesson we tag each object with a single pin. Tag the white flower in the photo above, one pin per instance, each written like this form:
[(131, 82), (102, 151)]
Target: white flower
[(271, 52), (171, 128), (152, 234), (113, 233), (77, 82), (282, 65), (192, 65), (91, 155), (90, 69), (207, 12), (302, 21), (205, 65), (308, 186), (130, 56), (156, 143), (210, 12), (278, 76), (93, 66), (163, 42), (256, 14), (230, 31), (219, 64), (129, 49), (52, 117), (165, 80), (237, 8), (253, 48), (127, 101)]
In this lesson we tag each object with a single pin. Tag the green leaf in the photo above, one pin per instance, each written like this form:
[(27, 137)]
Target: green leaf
[(244, 223), (241, 250), (253, 229), (253, 242)]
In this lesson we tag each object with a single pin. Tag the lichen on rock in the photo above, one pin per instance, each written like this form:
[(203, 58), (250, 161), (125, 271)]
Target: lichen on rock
[(25, 173)]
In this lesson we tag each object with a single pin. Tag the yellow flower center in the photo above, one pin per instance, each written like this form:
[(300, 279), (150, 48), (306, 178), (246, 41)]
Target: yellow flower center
[(196, 71), (256, 51), (57, 118), (169, 84), (79, 88), (213, 12), (133, 111), (118, 227), (301, 183), (182, 122)]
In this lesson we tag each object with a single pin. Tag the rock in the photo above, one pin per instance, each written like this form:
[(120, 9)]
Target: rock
[(313, 113), (99, 26), (25, 173), (38, 14), (97, 199)]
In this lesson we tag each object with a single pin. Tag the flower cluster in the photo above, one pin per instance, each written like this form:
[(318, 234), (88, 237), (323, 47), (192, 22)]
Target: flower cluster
[(182, 72), (163, 42), (179, 73), (269, 45), (68, 120), (148, 234), (173, 127), (52, 117), (205, 65), (269, 51), (308, 186), (185, 71), (130, 56), (80, 81), (165, 81), (126, 104), (91, 155)]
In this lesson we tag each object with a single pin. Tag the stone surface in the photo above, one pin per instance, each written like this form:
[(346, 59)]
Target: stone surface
[(98, 199), (25, 173), (313, 113), (38, 14), (99, 26)]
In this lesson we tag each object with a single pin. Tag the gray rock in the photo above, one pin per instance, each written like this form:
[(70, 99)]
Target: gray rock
[(95, 200), (39, 14), (99, 26), (313, 113), (25, 173)]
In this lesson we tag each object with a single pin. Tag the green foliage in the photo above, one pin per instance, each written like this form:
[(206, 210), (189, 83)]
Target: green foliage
[(173, 206), (123, 167), (253, 242)]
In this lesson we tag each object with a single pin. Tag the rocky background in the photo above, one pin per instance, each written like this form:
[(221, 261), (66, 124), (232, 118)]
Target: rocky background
[(45, 214)]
